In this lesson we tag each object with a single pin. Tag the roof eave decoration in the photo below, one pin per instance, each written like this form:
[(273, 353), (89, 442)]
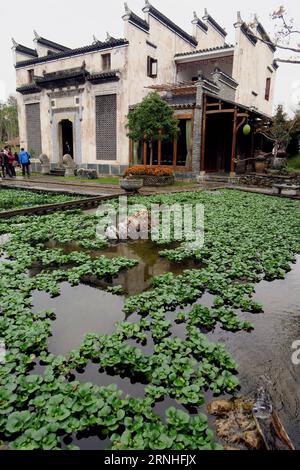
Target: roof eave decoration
[(53, 45), (207, 17), (138, 22), (249, 34), (199, 23), (152, 11), (264, 35), (24, 50)]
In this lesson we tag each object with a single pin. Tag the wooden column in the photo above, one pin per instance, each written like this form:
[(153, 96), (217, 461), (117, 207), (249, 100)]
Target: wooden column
[(203, 137), (159, 149), (131, 148), (175, 152), (145, 152), (233, 151)]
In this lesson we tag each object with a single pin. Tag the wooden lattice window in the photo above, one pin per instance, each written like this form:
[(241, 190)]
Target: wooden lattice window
[(106, 127), (33, 127)]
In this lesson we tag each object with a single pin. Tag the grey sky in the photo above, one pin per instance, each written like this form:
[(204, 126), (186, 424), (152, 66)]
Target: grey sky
[(73, 23)]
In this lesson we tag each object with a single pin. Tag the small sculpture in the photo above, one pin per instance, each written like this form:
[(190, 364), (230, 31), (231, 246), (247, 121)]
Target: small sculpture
[(45, 164), (69, 165)]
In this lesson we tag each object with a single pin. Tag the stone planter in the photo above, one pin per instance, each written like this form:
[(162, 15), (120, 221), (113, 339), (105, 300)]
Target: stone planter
[(131, 185), (279, 162), (260, 167), (240, 167), (151, 180)]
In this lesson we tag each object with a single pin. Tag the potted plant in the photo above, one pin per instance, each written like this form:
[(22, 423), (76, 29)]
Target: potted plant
[(130, 183), (152, 176)]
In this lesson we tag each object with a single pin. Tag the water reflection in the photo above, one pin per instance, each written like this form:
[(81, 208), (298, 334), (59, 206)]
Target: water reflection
[(138, 278), (268, 349), (79, 310)]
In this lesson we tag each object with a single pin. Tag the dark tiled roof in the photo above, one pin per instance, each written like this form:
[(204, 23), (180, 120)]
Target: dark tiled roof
[(71, 77), (172, 26), (28, 89), (215, 24), (202, 25), (81, 50), (68, 77), (248, 33), (229, 79), (111, 75), (139, 22), (61, 75), (210, 49), (51, 44), (261, 30), (26, 50)]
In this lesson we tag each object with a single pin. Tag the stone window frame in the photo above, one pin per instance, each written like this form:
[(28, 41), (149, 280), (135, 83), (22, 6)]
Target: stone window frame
[(106, 62), (152, 67)]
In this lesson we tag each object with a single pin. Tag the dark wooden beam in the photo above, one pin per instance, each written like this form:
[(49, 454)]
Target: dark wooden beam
[(217, 111), (233, 150), (175, 152), (203, 136)]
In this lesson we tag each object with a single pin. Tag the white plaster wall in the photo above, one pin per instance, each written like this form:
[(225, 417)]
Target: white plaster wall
[(211, 39), (22, 120), (250, 70)]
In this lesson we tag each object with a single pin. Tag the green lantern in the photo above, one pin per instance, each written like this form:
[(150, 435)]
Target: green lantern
[(246, 129)]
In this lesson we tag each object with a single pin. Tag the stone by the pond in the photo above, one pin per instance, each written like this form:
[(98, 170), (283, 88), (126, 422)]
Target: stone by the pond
[(219, 407)]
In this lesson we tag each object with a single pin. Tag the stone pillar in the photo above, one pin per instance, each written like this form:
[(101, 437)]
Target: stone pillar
[(69, 165), (198, 115), (45, 164)]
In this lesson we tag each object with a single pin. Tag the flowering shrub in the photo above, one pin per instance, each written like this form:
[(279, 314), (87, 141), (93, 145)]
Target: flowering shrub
[(149, 171)]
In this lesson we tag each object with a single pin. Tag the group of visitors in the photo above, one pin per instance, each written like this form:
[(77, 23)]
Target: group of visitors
[(9, 160)]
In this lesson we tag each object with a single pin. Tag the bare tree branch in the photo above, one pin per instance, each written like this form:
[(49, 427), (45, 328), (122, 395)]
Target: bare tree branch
[(273, 44)]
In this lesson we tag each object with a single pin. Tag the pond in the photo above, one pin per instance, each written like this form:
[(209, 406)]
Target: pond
[(265, 351), (102, 337)]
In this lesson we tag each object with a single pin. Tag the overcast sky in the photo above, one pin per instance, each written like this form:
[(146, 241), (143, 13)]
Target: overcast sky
[(73, 23)]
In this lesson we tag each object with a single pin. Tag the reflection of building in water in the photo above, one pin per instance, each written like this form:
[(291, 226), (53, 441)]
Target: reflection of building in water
[(76, 101), (138, 278)]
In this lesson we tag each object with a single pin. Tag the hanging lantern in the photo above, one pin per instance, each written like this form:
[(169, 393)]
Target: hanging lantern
[(246, 129)]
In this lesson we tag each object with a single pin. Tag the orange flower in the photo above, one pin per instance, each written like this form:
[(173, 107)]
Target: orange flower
[(149, 171)]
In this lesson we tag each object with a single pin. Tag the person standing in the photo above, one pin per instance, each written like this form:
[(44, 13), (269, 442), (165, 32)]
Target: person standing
[(11, 163), (2, 164), (24, 160), (6, 162)]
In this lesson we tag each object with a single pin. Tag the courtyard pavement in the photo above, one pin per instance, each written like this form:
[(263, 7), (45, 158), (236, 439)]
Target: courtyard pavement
[(51, 184)]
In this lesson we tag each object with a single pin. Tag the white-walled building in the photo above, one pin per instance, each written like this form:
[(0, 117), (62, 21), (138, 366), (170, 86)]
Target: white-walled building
[(76, 101)]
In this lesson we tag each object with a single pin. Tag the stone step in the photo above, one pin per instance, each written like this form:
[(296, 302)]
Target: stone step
[(217, 178)]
